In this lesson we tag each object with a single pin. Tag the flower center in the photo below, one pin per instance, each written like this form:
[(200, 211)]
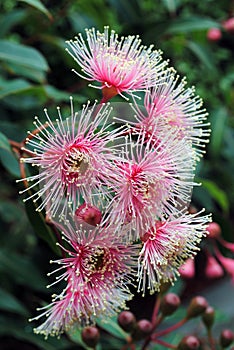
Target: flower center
[(97, 262), (75, 165)]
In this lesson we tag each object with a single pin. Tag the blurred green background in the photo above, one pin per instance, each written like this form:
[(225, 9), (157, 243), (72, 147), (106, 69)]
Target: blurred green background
[(35, 72)]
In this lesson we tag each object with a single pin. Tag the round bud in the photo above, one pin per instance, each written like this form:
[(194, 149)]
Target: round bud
[(226, 338), (214, 230), (196, 307), (142, 329), (89, 214), (90, 336), (229, 25), (208, 317), (214, 34), (169, 304), (126, 321), (189, 343)]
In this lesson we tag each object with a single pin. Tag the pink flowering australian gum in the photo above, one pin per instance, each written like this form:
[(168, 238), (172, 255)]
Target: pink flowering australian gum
[(119, 64)]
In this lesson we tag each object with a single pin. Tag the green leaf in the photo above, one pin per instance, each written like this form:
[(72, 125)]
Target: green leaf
[(9, 303), (22, 55), (32, 74), (40, 227), (4, 143), (8, 20), (191, 24), (218, 120), (13, 87), (111, 326), (39, 6), (9, 161), (216, 193), (203, 54), (171, 5)]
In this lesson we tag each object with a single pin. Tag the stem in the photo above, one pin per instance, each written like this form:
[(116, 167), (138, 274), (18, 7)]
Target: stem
[(155, 310), (211, 339), (129, 345), (164, 343), (170, 329)]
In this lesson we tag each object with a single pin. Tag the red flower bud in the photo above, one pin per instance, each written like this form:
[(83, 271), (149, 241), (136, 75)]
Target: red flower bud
[(196, 307), (226, 338), (214, 230), (169, 304), (229, 25), (90, 336), (127, 321), (187, 270), (189, 343), (208, 317), (214, 34), (142, 329), (89, 214), (213, 268)]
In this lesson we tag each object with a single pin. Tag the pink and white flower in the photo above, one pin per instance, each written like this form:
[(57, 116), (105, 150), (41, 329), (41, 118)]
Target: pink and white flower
[(73, 157), (153, 179), (172, 106), (167, 245), (120, 65), (98, 270)]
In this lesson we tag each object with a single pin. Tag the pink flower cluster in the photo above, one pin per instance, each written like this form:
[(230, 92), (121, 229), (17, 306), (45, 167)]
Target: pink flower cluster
[(116, 180)]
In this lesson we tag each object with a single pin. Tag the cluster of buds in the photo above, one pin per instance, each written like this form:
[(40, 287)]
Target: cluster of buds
[(215, 33), (116, 180), (217, 264)]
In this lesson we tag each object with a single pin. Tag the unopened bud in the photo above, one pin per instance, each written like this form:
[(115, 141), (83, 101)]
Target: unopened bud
[(226, 338), (142, 329), (196, 307), (208, 317), (127, 321), (214, 34), (214, 230), (229, 25), (169, 304), (187, 270), (189, 343), (89, 214), (213, 268), (90, 336)]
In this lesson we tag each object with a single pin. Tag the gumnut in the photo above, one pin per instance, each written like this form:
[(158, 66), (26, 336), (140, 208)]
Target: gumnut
[(196, 307), (89, 214), (143, 329), (90, 336), (214, 34), (229, 25), (187, 270), (189, 342), (127, 321), (214, 230), (169, 304), (226, 338), (208, 317)]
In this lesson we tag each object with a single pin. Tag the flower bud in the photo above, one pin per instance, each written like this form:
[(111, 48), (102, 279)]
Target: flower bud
[(214, 230), (187, 270), (226, 338), (126, 321), (213, 268), (208, 317), (89, 214), (189, 343), (142, 329), (229, 25), (214, 34), (169, 304), (196, 307), (90, 336)]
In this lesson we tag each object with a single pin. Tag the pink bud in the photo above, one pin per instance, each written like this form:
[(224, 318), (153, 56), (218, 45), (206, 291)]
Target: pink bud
[(90, 336), (213, 268), (214, 230), (227, 263), (227, 245), (187, 270), (229, 25), (89, 214), (214, 34)]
